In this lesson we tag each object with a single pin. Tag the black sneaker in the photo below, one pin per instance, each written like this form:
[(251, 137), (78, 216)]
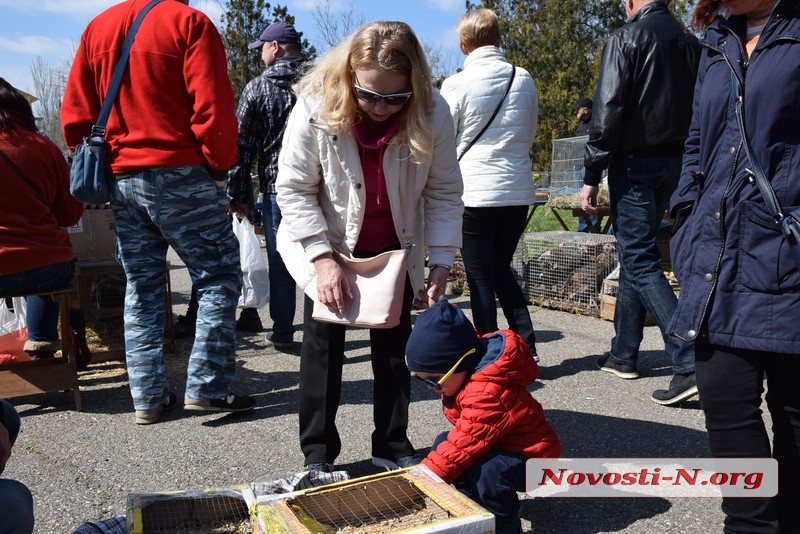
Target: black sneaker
[(319, 467), (229, 403), (184, 327), (285, 346), (249, 323), (681, 388), (606, 363), (398, 463)]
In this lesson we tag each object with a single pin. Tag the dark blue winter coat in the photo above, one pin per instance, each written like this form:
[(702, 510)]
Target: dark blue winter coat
[(739, 284)]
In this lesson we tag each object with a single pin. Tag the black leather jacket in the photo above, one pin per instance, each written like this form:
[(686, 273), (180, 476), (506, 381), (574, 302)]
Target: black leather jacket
[(643, 99)]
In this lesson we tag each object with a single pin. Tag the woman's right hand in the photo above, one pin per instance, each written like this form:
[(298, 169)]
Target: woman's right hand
[(332, 285)]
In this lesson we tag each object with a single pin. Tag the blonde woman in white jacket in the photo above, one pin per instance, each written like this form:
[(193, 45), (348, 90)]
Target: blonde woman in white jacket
[(368, 164), (498, 182)]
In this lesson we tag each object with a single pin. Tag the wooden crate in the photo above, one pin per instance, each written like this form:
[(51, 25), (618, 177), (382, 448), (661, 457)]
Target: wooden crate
[(405, 500), (188, 512)]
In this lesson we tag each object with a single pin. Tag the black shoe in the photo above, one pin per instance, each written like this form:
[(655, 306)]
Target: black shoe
[(319, 466), (681, 388), (184, 327), (285, 346), (398, 463), (606, 363), (229, 403), (249, 323)]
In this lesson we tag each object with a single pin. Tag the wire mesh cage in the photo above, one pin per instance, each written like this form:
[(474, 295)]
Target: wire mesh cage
[(564, 270), (566, 171), (401, 501), (190, 512), (101, 296)]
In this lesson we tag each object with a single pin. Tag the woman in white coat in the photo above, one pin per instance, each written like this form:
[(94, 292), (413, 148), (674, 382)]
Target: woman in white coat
[(496, 166), (368, 164)]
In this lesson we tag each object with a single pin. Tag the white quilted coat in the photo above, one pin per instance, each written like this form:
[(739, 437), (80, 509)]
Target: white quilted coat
[(496, 169), (321, 194)]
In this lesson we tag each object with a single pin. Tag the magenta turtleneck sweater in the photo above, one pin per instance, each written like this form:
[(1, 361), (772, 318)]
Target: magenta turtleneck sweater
[(377, 232)]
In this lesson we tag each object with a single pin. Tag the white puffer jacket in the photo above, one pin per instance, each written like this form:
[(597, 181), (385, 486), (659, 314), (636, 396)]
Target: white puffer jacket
[(321, 194), (497, 168)]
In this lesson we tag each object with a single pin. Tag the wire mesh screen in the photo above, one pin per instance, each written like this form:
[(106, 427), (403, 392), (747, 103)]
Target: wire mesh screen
[(190, 513), (564, 270), (384, 505), (566, 172), (101, 295)]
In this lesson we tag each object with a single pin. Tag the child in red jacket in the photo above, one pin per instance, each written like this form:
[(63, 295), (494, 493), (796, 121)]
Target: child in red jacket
[(497, 424)]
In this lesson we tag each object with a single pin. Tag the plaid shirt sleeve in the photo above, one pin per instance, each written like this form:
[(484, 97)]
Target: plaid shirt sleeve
[(250, 139)]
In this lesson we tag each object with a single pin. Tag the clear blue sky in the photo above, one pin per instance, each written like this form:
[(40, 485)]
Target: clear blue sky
[(51, 29)]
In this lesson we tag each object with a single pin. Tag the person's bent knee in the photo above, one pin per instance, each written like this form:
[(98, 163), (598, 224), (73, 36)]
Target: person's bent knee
[(16, 507)]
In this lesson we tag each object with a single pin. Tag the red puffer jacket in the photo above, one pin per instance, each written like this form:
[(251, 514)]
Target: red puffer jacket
[(495, 410)]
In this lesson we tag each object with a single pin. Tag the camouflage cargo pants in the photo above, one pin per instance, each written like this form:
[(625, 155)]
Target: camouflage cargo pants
[(183, 208)]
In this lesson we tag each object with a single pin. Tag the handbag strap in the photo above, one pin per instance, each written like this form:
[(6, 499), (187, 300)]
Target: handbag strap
[(757, 170), (499, 104), (99, 129), (25, 178)]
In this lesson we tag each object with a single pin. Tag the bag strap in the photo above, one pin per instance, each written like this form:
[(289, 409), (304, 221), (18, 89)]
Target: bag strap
[(499, 105), (757, 170), (25, 178), (99, 129)]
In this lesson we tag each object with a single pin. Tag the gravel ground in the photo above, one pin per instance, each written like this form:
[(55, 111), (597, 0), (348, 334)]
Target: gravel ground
[(81, 466)]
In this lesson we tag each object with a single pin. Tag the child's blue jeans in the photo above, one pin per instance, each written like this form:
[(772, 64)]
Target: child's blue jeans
[(493, 482)]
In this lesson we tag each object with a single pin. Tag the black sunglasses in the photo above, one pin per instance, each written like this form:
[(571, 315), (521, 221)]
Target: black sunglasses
[(437, 384), (394, 99)]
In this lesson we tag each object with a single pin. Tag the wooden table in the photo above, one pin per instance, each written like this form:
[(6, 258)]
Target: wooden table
[(603, 218)]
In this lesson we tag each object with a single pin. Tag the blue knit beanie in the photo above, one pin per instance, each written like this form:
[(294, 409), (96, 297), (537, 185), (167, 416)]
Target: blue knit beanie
[(441, 335)]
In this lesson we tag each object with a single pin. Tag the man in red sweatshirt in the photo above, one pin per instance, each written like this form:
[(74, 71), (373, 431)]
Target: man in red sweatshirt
[(172, 137)]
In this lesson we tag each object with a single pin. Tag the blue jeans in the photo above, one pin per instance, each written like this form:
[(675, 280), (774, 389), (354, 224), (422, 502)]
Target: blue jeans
[(490, 237), (493, 481), (639, 190), (183, 208), (16, 503), (42, 311), (282, 287)]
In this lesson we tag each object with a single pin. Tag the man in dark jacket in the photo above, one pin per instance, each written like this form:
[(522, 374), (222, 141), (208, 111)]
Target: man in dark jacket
[(583, 112), (641, 114), (263, 110)]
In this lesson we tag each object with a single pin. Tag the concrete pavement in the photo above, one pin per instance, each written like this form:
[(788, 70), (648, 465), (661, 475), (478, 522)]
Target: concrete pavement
[(80, 466)]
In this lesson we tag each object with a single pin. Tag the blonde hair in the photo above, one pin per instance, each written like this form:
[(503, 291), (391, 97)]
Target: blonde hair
[(387, 45), (478, 28)]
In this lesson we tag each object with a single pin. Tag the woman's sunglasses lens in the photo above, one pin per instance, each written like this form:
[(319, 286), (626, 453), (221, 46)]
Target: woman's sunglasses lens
[(373, 98), (395, 100), (367, 97)]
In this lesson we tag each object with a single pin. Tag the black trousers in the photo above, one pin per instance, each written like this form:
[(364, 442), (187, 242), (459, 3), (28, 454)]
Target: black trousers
[(490, 238), (731, 384), (321, 361)]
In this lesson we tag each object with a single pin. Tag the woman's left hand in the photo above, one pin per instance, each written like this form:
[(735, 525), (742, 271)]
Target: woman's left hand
[(437, 285)]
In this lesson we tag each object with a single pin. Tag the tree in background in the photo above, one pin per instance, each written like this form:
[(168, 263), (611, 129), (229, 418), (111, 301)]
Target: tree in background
[(560, 43), (242, 23), (49, 82), (334, 25)]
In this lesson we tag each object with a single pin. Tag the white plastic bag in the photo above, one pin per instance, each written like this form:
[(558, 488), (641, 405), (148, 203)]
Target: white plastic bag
[(255, 277), (13, 329)]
